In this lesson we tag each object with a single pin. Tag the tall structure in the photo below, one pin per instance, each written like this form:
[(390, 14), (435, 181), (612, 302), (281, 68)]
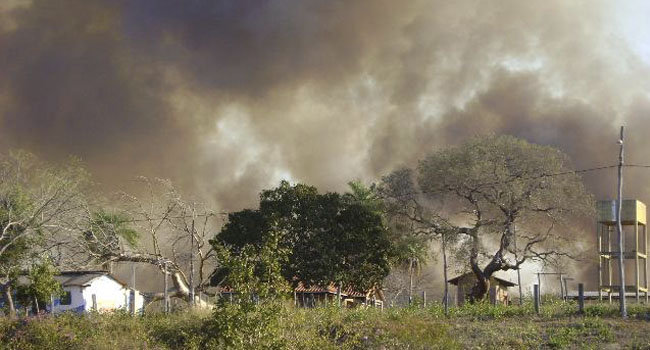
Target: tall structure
[(633, 218)]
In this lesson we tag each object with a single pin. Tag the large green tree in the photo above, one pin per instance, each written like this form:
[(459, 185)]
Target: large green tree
[(329, 237), (490, 184)]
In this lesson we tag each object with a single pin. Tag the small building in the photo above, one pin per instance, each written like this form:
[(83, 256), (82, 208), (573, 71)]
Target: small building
[(316, 295), (95, 290), (498, 292)]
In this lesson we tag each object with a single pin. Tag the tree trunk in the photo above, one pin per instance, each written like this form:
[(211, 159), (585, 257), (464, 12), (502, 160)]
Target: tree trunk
[(481, 288), (482, 283), (10, 301)]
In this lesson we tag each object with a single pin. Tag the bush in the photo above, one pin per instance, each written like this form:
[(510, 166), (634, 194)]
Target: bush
[(247, 325), (276, 324)]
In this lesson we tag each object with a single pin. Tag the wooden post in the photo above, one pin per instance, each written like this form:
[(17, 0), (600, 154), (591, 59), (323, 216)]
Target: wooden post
[(609, 262), (445, 267), (645, 261), (192, 259), (38, 309), (410, 281), (132, 301), (539, 286), (636, 260), (338, 295), (133, 275), (94, 298), (620, 232), (166, 292), (424, 298), (599, 236), (581, 298), (536, 297)]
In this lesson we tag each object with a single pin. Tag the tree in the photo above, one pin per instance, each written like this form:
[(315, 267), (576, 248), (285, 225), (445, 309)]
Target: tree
[(413, 222), (490, 184), (42, 285), (329, 237), (35, 200), (192, 229), (157, 228)]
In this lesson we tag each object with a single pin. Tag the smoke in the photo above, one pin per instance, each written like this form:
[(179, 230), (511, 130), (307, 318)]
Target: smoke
[(228, 97)]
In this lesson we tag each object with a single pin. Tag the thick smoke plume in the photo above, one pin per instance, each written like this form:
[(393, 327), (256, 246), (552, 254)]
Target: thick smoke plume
[(228, 97)]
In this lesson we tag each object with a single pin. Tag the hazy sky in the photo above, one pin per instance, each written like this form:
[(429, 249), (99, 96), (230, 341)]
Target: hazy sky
[(229, 97)]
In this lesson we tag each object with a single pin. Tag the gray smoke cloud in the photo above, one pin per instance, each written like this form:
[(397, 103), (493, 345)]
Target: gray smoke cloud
[(228, 97)]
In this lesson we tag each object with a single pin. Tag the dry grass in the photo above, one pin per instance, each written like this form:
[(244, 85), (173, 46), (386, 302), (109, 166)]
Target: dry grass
[(470, 327)]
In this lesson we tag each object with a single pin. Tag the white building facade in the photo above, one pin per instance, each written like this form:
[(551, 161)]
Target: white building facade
[(95, 290)]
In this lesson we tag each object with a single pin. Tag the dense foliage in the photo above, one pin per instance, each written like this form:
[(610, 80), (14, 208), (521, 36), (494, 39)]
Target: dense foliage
[(328, 237)]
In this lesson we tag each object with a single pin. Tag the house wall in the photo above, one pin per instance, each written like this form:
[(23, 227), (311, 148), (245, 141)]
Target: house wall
[(109, 295), (77, 302)]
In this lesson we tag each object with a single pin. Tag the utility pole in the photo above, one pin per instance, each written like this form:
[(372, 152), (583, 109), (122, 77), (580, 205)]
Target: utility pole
[(133, 276), (444, 259), (514, 243), (410, 281), (166, 292), (192, 259), (132, 293), (619, 229)]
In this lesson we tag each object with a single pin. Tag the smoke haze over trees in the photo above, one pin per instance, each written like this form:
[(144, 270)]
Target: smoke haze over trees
[(229, 97), (234, 96)]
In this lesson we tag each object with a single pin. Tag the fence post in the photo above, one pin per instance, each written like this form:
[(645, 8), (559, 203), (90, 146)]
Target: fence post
[(132, 301), (166, 292), (536, 297), (424, 298), (94, 296), (581, 298), (338, 295)]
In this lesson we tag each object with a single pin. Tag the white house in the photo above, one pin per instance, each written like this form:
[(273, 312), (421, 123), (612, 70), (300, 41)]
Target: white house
[(94, 290)]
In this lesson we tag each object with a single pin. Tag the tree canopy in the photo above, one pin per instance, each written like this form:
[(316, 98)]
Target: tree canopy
[(478, 191), (330, 237)]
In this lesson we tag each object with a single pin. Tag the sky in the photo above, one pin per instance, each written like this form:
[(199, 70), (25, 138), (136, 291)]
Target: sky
[(227, 98)]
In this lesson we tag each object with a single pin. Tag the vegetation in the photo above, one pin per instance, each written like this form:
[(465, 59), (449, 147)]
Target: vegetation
[(281, 326), (473, 195), (41, 286), (328, 237), (468, 197), (35, 199)]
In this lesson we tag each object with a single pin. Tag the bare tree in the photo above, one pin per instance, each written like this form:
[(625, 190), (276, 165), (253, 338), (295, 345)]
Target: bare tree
[(193, 225), (156, 228), (488, 185), (34, 199), (416, 220)]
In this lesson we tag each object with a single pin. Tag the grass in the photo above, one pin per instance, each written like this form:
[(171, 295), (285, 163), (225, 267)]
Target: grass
[(280, 326)]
